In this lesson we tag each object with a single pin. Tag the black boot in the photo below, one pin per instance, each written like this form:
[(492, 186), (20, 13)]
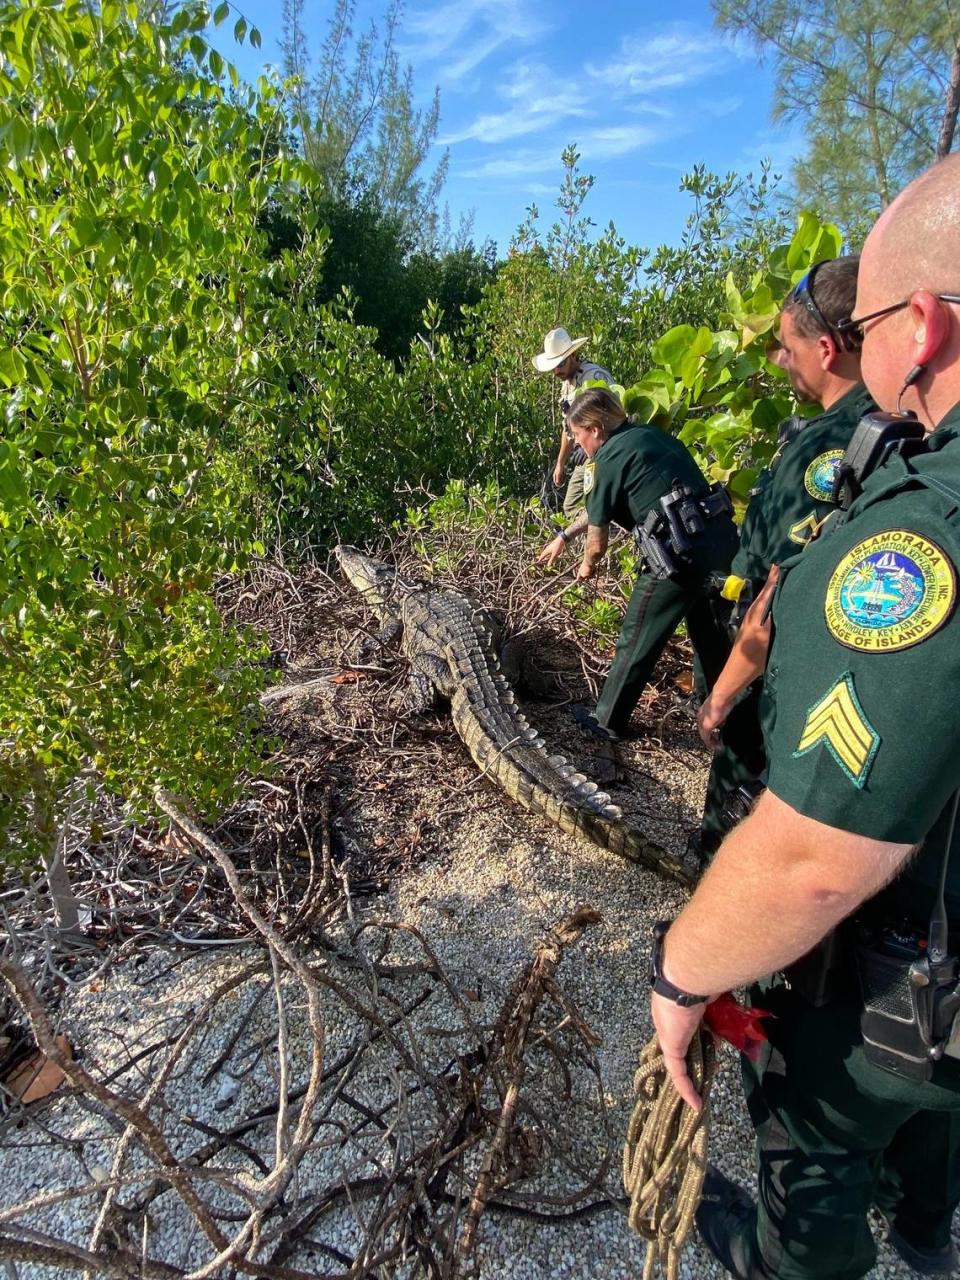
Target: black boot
[(928, 1262), (588, 722), (726, 1220)]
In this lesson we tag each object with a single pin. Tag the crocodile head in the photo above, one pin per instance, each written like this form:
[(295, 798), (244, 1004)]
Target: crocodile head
[(376, 581)]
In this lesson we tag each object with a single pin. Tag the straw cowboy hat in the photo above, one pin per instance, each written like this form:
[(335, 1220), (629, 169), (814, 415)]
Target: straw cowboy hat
[(557, 345)]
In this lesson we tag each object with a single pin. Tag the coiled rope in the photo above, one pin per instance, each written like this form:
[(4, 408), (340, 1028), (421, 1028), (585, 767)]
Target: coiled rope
[(665, 1154)]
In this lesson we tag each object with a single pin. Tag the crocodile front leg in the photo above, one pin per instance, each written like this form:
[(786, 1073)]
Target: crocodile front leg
[(430, 680), (371, 647), (520, 669)]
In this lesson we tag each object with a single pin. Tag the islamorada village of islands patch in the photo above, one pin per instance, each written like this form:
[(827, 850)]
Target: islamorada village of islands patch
[(890, 592), (819, 476)]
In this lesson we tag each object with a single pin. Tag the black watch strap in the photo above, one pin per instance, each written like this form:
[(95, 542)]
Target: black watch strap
[(661, 985)]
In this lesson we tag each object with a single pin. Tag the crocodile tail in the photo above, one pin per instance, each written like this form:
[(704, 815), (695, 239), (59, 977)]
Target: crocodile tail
[(622, 837), (552, 787)]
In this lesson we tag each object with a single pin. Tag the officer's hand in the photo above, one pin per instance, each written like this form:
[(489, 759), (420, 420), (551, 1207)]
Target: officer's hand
[(676, 1027), (558, 471), (710, 719), (552, 552), (586, 572)]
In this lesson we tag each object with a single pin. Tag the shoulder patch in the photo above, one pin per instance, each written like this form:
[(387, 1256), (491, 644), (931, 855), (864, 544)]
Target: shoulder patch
[(890, 592), (819, 475), (839, 723), (588, 472)]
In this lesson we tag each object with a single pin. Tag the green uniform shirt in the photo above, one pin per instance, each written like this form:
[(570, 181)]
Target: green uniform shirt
[(862, 689), (793, 494), (632, 470)]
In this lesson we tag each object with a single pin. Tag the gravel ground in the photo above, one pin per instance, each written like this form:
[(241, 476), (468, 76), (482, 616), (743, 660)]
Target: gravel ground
[(501, 881)]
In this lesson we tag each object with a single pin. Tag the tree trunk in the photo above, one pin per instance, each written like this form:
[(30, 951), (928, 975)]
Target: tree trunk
[(949, 124), (66, 906), (873, 124)]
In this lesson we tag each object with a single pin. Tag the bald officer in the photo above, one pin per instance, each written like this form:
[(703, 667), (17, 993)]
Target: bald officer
[(861, 713)]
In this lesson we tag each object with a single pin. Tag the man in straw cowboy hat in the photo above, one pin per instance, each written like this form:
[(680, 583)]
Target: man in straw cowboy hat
[(559, 356)]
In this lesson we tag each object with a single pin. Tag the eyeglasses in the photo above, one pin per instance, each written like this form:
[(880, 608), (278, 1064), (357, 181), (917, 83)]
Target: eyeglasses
[(854, 326)]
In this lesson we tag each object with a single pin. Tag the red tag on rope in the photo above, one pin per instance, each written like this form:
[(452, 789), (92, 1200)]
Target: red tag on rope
[(737, 1024)]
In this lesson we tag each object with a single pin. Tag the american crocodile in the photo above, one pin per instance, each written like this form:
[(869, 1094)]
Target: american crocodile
[(452, 645)]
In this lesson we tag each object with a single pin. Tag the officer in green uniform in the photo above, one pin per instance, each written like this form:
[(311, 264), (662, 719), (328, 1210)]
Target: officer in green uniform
[(852, 1102), (792, 497), (630, 470)]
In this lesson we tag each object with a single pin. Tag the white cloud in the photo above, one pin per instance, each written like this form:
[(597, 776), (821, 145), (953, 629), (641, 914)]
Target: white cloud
[(618, 140), (659, 110), (462, 34), (670, 59), (517, 164), (536, 102), (602, 143), (782, 147), (722, 106)]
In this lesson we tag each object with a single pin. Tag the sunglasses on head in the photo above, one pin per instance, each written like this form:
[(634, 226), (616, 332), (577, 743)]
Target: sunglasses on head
[(854, 326), (802, 293)]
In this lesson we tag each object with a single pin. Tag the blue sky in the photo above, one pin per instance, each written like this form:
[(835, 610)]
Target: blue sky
[(644, 90)]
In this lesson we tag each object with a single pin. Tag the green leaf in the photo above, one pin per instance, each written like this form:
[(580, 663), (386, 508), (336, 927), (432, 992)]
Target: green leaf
[(12, 368), (255, 37), (240, 30), (672, 347), (20, 138), (221, 13), (741, 482), (691, 361)]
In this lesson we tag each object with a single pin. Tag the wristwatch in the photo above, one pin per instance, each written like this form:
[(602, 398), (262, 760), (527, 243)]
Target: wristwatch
[(661, 985)]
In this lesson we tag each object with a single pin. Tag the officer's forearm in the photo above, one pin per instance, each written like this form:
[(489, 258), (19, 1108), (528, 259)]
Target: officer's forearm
[(779, 883), (596, 544), (749, 654), (576, 527), (739, 672)]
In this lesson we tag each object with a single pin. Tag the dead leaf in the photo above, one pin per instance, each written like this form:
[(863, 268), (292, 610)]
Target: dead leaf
[(174, 842), (38, 1077), (684, 681), (348, 677)]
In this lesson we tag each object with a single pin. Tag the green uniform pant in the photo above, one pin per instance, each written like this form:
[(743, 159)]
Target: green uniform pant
[(835, 1135), (741, 759), (655, 609), (573, 497)]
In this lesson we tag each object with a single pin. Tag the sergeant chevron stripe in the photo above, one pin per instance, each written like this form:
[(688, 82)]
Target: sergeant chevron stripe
[(838, 721), (805, 530)]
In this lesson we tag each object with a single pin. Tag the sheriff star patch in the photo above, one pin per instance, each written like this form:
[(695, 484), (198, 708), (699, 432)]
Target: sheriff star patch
[(818, 477), (890, 592), (588, 470), (839, 723)]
